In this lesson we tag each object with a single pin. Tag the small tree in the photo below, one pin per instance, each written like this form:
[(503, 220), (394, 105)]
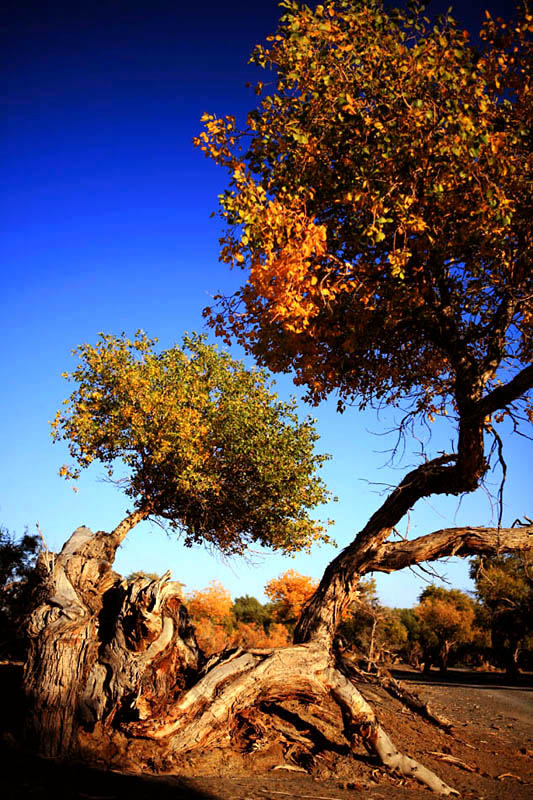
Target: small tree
[(18, 579), (254, 625), (447, 622), (249, 610), (204, 444), (373, 629), (412, 651), (210, 612), (199, 443), (289, 593), (140, 573)]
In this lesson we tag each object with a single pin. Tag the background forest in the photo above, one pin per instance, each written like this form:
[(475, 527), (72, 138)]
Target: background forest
[(490, 628)]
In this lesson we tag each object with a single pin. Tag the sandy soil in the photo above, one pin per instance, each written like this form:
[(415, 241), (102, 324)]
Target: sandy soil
[(489, 755)]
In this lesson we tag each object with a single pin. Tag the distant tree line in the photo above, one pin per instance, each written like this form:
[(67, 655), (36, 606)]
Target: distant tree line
[(447, 627), (492, 627)]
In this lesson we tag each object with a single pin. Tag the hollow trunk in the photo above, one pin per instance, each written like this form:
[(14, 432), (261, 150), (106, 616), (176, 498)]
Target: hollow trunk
[(101, 648)]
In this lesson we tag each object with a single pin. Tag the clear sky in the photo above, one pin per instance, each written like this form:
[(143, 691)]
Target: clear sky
[(105, 218)]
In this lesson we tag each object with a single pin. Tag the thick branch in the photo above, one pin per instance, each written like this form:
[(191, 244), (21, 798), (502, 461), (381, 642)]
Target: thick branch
[(129, 522), (245, 680), (392, 556), (503, 396), (322, 614), (448, 474)]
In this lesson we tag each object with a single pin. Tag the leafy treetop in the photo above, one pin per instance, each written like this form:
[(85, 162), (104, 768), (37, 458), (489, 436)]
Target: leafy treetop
[(18, 580), (504, 583), (248, 610), (212, 603), (447, 619), (206, 445), (380, 198)]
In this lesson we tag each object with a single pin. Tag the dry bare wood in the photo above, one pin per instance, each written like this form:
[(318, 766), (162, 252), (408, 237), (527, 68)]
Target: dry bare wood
[(113, 662)]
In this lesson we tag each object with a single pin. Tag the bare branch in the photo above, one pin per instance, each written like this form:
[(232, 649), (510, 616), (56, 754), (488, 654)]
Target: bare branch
[(465, 541), (48, 557), (503, 465)]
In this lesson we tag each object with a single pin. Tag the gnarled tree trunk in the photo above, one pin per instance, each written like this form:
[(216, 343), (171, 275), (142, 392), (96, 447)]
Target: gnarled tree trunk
[(114, 675), (102, 650)]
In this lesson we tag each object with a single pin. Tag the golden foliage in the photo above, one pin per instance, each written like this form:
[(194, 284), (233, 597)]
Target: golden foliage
[(380, 199), (212, 603), (198, 441), (289, 593)]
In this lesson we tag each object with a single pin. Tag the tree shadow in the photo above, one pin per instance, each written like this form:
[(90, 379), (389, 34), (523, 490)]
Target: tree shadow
[(27, 776), (24, 775)]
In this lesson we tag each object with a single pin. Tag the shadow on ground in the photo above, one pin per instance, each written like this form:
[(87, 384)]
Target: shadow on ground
[(25, 776)]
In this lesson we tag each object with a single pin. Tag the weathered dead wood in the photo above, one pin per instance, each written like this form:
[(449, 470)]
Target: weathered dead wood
[(118, 662), (465, 541), (456, 762), (412, 701), (396, 689), (113, 663), (206, 709), (100, 647)]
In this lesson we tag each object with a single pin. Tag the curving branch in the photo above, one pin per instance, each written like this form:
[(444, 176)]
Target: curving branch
[(123, 528), (466, 541)]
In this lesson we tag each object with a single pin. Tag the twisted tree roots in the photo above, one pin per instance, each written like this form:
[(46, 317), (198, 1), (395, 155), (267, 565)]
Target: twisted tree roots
[(114, 674)]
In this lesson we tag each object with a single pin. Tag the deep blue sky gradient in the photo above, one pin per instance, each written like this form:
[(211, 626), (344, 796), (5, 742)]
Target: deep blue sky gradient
[(105, 218)]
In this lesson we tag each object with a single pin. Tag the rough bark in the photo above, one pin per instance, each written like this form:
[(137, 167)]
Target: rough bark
[(101, 647), (465, 541), (450, 474), (114, 674), (114, 671), (384, 679)]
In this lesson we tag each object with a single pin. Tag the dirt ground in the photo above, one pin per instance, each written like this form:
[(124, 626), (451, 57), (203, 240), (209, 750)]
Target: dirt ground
[(488, 756)]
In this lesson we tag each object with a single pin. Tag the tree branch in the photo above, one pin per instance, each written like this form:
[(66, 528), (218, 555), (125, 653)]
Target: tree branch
[(497, 326), (129, 522), (502, 396), (391, 556)]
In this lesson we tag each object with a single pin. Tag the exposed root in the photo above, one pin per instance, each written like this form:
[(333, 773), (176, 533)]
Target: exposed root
[(246, 680), (412, 701), (452, 760), (377, 741), (114, 671), (397, 690)]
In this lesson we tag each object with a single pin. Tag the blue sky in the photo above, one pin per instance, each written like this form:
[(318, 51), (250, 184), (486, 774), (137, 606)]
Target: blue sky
[(106, 227)]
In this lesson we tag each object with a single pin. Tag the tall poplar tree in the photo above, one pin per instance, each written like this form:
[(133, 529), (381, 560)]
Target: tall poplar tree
[(380, 204)]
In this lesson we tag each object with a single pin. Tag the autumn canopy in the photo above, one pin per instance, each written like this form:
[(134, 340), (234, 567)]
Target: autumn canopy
[(380, 202), (195, 440), (379, 198)]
